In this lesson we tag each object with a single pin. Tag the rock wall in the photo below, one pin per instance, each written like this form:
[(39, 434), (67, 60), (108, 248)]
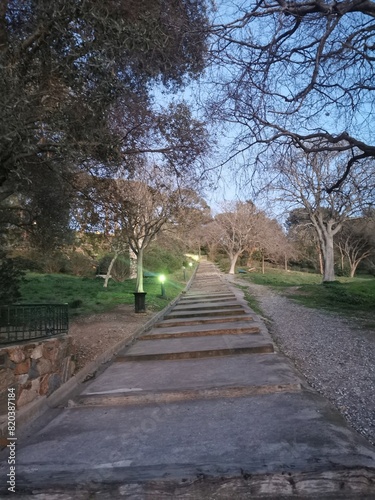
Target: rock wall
[(35, 369)]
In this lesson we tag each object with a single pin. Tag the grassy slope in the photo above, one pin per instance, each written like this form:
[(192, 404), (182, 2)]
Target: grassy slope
[(346, 295), (87, 295)]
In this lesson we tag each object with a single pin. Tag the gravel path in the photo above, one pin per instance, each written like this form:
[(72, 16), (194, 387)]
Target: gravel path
[(335, 355)]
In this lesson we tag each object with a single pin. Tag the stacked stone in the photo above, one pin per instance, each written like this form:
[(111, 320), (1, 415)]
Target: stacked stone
[(35, 369)]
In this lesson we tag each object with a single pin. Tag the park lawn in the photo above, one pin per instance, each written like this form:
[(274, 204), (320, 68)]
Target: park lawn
[(88, 296), (346, 295)]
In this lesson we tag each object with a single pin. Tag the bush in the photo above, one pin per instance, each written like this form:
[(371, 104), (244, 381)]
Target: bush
[(223, 262), (79, 264), (76, 303), (55, 263), (10, 280), (343, 272), (27, 264), (160, 260)]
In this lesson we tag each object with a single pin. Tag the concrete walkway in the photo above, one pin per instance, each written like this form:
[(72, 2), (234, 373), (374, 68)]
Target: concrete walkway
[(201, 406)]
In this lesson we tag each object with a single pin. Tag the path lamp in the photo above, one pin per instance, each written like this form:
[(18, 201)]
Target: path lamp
[(184, 270), (162, 281)]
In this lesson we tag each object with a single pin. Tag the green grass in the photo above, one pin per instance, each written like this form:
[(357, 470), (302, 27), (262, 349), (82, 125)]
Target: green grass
[(346, 295), (252, 301), (281, 278), (88, 296)]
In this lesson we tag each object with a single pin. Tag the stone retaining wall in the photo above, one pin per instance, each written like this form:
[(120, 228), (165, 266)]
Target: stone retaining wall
[(35, 369)]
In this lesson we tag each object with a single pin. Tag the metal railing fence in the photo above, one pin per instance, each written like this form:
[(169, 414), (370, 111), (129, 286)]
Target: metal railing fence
[(23, 322)]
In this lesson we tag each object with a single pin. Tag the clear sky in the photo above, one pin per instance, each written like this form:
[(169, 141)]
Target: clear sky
[(227, 184)]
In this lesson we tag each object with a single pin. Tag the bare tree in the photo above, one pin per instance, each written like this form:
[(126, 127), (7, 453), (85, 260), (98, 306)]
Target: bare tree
[(209, 238), (146, 209), (191, 221), (137, 210), (303, 181), (297, 75), (132, 211), (356, 241), (236, 229), (304, 238), (273, 243)]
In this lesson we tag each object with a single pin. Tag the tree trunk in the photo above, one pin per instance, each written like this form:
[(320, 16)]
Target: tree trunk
[(320, 259), (328, 257), (342, 259), (326, 233), (132, 264), (233, 261), (109, 270), (249, 262), (139, 284), (212, 250), (354, 263), (262, 263), (285, 262), (353, 268)]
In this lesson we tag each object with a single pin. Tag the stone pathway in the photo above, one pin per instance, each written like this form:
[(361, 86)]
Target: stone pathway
[(201, 406)]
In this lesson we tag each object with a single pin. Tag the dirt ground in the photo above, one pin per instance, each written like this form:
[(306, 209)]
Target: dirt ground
[(96, 333)]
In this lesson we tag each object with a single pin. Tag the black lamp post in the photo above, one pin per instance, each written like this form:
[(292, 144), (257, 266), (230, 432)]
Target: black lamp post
[(162, 281)]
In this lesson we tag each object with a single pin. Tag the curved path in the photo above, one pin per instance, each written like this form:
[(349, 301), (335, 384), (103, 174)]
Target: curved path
[(200, 407)]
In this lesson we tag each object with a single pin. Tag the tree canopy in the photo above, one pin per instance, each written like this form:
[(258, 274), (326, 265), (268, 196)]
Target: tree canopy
[(298, 75), (130, 212), (302, 180), (75, 84), (236, 229)]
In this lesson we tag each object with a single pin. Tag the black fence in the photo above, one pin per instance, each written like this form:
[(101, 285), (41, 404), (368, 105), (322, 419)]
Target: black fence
[(32, 321)]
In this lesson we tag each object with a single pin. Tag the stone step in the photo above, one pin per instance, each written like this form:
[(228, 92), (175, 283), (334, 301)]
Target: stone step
[(197, 293), (195, 441), (206, 306), (210, 312), (207, 297), (268, 370), (202, 321), (154, 397), (204, 299), (234, 328), (196, 347), (204, 283)]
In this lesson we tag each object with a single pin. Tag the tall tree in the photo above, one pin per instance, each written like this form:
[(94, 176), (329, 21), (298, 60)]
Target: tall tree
[(237, 229), (132, 211), (303, 180), (273, 244), (304, 239), (70, 69), (190, 223), (356, 241)]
